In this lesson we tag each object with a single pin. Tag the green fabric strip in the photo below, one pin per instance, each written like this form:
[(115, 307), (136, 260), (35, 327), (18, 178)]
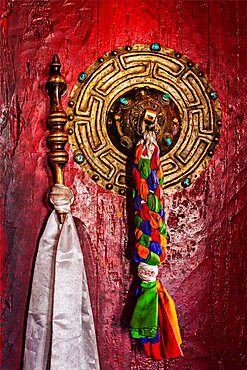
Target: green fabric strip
[(144, 240), (153, 203), (138, 221), (144, 167), (153, 259), (163, 229), (161, 181), (144, 321)]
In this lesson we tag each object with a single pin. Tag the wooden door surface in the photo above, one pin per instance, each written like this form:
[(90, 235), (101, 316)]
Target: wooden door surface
[(205, 271)]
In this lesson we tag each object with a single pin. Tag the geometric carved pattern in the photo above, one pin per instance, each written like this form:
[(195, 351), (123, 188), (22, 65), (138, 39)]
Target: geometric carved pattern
[(135, 67)]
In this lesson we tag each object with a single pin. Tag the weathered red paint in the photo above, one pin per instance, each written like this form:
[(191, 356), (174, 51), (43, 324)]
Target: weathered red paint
[(206, 263)]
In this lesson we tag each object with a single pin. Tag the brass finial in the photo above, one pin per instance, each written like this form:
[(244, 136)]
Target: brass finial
[(58, 156)]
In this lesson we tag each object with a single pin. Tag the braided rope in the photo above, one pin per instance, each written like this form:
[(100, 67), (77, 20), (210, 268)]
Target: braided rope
[(154, 320), (148, 198)]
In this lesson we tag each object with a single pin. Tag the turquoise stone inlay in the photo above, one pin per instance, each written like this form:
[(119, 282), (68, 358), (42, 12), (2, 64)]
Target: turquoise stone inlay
[(155, 46), (124, 101), (168, 141), (166, 96), (82, 76), (79, 158), (186, 182), (213, 95)]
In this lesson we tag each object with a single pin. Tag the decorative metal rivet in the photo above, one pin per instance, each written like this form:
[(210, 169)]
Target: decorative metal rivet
[(155, 47), (70, 117), (175, 120), (71, 103), (210, 153), (122, 191), (216, 139), (124, 101), (200, 74), (114, 53), (101, 60), (166, 97), (168, 141), (178, 55), (70, 131), (186, 182), (189, 64), (109, 186), (219, 123), (213, 95), (79, 158), (128, 48), (95, 177), (126, 142), (82, 76)]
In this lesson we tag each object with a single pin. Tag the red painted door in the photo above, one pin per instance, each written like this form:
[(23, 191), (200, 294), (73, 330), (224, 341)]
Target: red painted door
[(206, 261)]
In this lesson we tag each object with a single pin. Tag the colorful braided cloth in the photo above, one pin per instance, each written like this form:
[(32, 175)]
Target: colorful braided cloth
[(154, 321)]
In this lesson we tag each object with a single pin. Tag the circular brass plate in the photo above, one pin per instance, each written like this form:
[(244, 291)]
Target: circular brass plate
[(107, 150)]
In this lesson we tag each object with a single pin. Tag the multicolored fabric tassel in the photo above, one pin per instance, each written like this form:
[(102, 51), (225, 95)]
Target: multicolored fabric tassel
[(154, 321)]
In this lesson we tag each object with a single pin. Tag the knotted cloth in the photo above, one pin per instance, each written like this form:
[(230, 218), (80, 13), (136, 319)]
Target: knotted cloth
[(154, 320), (60, 332)]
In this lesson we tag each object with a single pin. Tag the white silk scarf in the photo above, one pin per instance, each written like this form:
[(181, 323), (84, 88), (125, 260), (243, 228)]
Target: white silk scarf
[(60, 332)]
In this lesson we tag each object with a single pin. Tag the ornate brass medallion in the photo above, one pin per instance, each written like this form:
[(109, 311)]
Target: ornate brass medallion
[(126, 114), (109, 101)]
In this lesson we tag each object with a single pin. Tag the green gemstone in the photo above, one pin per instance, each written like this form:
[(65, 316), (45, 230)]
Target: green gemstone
[(186, 182), (213, 95), (155, 46), (124, 101), (166, 97), (168, 141), (79, 158), (82, 76)]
